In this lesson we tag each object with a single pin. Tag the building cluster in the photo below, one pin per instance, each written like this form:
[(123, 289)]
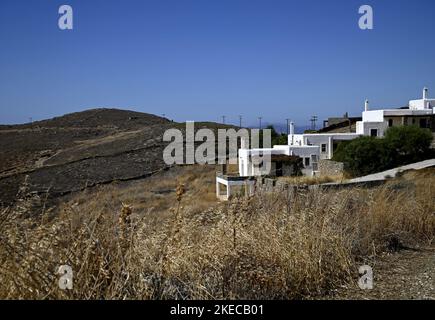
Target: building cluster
[(314, 147)]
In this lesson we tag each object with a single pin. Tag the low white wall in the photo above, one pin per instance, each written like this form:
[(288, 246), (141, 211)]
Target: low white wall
[(380, 126)]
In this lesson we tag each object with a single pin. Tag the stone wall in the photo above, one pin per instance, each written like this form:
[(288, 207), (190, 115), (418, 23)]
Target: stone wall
[(267, 185), (330, 168), (275, 185)]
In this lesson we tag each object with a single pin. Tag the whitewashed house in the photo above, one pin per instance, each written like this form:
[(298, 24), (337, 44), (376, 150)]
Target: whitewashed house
[(308, 153), (312, 147)]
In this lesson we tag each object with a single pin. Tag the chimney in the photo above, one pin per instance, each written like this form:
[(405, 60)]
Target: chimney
[(425, 91), (291, 133), (292, 128), (366, 105)]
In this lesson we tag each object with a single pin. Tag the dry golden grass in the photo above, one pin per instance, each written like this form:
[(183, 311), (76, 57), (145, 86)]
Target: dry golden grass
[(273, 246), (306, 180)]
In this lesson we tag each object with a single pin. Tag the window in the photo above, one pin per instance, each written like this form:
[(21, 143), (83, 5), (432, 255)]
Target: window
[(323, 146), (373, 132), (307, 162), (390, 122), (423, 123), (314, 162)]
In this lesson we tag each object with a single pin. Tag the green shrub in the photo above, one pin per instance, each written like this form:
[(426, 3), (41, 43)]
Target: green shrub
[(401, 145), (408, 143), (363, 155), (277, 138)]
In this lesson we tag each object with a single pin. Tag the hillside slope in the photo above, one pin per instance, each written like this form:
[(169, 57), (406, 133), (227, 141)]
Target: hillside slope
[(100, 117), (71, 152)]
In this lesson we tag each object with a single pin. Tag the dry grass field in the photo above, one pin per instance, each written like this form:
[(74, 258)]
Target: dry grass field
[(166, 237), (308, 180)]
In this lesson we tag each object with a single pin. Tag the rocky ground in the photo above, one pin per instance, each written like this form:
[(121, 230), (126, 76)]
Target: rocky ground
[(69, 153), (80, 150), (407, 274)]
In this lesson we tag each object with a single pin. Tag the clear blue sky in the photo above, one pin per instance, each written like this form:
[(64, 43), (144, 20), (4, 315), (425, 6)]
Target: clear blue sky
[(198, 60)]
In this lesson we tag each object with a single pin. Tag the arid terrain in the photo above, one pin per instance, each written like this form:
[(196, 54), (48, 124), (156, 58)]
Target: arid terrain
[(68, 153), (81, 150), (90, 190)]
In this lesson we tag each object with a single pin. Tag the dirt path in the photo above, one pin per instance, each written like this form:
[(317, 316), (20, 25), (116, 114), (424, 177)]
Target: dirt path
[(409, 274)]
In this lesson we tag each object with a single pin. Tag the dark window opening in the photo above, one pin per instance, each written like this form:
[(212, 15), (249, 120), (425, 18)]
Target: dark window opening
[(423, 123), (373, 132), (278, 169), (307, 162), (323, 147), (390, 122)]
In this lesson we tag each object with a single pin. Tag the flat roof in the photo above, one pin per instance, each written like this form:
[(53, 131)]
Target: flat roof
[(408, 112), (331, 134)]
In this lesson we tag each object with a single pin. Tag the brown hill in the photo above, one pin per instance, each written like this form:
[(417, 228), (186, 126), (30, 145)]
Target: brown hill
[(68, 153), (101, 117)]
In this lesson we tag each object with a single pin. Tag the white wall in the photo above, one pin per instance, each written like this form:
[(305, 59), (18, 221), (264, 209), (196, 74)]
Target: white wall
[(417, 104), (327, 139), (421, 104), (311, 152), (296, 139), (247, 168), (373, 116), (359, 127), (381, 127)]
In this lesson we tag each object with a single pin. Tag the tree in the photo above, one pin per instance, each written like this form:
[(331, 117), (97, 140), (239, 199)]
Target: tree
[(362, 156), (277, 138), (409, 143), (401, 145)]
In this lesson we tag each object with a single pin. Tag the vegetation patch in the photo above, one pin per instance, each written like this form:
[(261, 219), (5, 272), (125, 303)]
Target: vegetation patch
[(401, 145), (284, 245)]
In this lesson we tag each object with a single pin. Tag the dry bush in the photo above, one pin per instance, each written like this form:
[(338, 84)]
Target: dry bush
[(292, 244)]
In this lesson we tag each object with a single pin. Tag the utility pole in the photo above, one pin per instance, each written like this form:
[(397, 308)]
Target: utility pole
[(240, 121), (223, 119), (288, 129), (259, 119)]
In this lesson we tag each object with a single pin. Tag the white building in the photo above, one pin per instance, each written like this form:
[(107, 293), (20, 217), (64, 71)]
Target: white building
[(314, 146), (419, 112), (247, 157)]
